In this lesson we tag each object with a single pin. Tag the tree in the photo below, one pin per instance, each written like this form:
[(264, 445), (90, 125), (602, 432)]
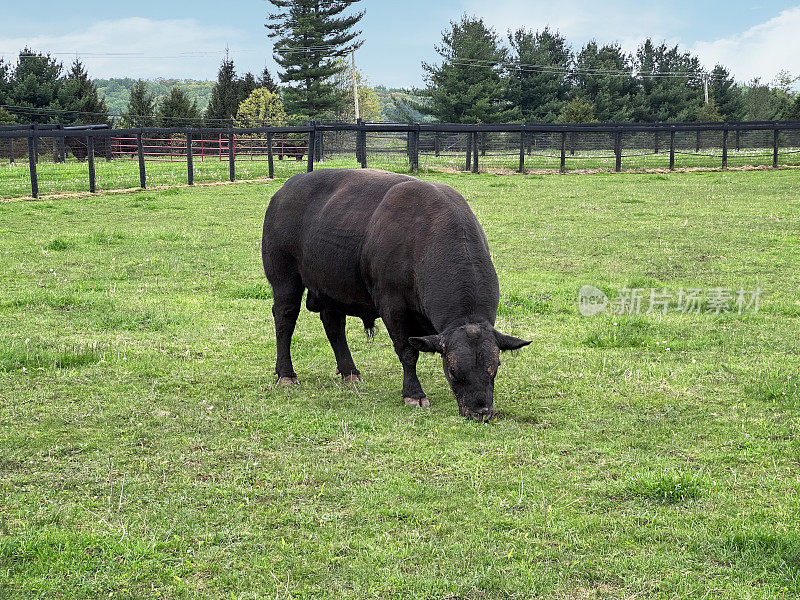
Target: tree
[(309, 35), (262, 107), (576, 110), (34, 86), (369, 106), (176, 110), (5, 83), (266, 81), (726, 94), (141, 107), (708, 112), (793, 111), (670, 84), (6, 118), (225, 97), (762, 103), (78, 95), (470, 86), (604, 77), (539, 94), (246, 86)]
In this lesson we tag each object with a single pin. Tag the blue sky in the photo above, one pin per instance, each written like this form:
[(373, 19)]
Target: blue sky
[(187, 39)]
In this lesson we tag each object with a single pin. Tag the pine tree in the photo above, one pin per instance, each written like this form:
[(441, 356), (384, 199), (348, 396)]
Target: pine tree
[(78, 95), (309, 35), (539, 94), (266, 81), (246, 86), (709, 112), (470, 86), (793, 112), (141, 107), (226, 96), (176, 110), (726, 94), (577, 110), (604, 77), (670, 84), (5, 83), (34, 85)]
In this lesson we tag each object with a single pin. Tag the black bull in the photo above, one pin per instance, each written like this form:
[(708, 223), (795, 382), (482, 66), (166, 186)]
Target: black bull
[(373, 244)]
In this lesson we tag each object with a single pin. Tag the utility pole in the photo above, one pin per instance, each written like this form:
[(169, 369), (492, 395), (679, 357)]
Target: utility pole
[(705, 86), (355, 85)]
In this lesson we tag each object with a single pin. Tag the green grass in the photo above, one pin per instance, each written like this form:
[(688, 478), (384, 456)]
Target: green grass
[(145, 452), (123, 174)]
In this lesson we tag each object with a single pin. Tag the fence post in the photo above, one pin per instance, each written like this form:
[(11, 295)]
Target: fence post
[(415, 151), (231, 155), (469, 152), (62, 147), (775, 136), (483, 143), (618, 150), (672, 149), (32, 165), (270, 159), (312, 137), (724, 148), (90, 156), (563, 167), (475, 152), (36, 142), (189, 158), (362, 137), (140, 152), (522, 150)]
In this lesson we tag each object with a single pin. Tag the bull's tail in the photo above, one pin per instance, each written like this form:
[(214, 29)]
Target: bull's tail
[(369, 328)]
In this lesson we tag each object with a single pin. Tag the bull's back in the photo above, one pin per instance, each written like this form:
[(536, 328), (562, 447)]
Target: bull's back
[(317, 222)]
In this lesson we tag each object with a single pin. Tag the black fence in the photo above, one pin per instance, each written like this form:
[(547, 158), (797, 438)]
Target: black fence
[(55, 158)]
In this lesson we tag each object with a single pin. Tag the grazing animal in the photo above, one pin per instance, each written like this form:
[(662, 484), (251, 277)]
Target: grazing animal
[(373, 244)]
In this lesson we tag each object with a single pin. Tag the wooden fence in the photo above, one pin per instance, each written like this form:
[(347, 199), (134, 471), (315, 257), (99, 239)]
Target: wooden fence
[(470, 141)]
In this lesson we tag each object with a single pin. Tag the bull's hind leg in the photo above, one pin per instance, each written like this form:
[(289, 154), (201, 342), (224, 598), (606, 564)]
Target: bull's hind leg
[(288, 294), (334, 323)]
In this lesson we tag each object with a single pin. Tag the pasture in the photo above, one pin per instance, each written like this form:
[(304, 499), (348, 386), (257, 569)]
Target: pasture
[(146, 453)]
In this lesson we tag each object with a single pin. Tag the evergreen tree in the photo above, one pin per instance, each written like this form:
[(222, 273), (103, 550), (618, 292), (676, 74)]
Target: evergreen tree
[(246, 86), (709, 112), (726, 94), (670, 84), (35, 85), (539, 94), (309, 35), (577, 110), (266, 81), (79, 96), (226, 96), (471, 85), (762, 103), (141, 107), (5, 82), (604, 77), (793, 112), (176, 110)]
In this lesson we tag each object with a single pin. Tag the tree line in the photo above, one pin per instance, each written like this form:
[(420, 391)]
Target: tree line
[(536, 76), (481, 77)]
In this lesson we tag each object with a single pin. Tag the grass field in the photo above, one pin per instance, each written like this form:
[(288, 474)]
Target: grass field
[(118, 174), (145, 452)]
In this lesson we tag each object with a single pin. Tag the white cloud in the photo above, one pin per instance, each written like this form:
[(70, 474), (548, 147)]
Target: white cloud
[(761, 51), (627, 22), (140, 47)]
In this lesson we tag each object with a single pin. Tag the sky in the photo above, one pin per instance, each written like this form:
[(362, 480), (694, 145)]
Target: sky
[(149, 38)]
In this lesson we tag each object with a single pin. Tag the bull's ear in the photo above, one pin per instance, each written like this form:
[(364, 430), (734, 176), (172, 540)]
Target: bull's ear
[(509, 342), (429, 343)]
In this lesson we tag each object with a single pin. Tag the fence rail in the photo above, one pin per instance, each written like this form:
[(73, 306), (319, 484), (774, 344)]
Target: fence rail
[(507, 147)]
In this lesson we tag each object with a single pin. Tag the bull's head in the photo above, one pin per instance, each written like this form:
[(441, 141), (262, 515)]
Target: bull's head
[(471, 356)]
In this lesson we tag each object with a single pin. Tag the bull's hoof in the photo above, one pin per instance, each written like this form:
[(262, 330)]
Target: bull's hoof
[(418, 402), (288, 381), (353, 378)]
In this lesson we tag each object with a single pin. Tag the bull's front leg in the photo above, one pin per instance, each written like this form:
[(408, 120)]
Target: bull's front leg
[(413, 395)]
